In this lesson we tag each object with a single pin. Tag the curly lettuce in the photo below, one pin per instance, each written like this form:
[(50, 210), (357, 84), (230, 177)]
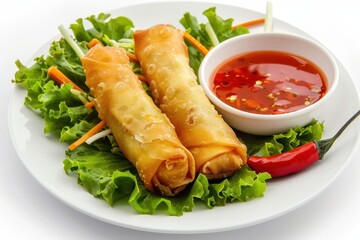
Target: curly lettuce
[(283, 142), (110, 176), (221, 28)]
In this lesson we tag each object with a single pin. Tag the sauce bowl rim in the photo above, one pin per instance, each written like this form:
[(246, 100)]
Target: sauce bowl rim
[(205, 83)]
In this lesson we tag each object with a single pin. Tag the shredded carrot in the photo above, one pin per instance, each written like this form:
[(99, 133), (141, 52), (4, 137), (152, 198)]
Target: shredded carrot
[(89, 104), (196, 43), (61, 78), (204, 50), (94, 42), (250, 23), (132, 57), (90, 133), (141, 78)]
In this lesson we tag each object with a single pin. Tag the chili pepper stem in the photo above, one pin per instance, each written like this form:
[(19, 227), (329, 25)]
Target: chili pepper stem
[(323, 146)]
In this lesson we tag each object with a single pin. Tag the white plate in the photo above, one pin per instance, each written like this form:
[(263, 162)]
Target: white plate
[(43, 155)]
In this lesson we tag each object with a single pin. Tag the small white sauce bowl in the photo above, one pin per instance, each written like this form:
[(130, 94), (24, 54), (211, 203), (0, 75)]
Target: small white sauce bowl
[(267, 124)]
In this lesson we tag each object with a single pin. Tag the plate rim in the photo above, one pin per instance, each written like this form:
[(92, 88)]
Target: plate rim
[(161, 230)]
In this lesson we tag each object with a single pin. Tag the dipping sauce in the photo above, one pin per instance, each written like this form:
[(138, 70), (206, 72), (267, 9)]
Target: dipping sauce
[(269, 82)]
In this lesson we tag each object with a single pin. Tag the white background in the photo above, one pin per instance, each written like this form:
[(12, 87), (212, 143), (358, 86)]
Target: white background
[(28, 211)]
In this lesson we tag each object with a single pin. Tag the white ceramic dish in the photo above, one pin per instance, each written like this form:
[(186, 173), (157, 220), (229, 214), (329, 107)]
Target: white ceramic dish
[(43, 156), (268, 124)]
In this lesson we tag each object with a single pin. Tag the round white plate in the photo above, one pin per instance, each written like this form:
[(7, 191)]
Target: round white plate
[(43, 155)]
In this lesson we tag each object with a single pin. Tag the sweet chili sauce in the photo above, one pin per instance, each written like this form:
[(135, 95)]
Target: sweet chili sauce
[(269, 82)]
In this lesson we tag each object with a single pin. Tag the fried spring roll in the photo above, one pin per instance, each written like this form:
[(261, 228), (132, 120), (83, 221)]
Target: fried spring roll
[(164, 60), (143, 133)]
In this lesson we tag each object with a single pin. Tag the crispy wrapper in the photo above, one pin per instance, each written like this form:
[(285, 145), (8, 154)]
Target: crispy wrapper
[(144, 134), (164, 60)]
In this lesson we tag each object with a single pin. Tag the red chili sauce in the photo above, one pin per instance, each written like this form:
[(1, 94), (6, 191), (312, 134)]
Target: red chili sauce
[(269, 82)]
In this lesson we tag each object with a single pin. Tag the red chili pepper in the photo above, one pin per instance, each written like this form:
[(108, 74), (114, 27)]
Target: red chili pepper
[(297, 159)]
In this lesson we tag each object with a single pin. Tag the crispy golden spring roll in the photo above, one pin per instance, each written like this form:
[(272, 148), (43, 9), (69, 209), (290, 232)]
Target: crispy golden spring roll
[(164, 60), (143, 133)]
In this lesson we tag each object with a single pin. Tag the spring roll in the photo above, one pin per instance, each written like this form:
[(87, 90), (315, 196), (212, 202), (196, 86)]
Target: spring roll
[(144, 134), (164, 60)]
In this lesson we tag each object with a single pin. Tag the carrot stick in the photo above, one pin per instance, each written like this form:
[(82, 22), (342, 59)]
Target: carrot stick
[(204, 50), (93, 42), (90, 133), (141, 78), (250, 23), (132, 57), (196, 43), (89, 104), (61, 78)]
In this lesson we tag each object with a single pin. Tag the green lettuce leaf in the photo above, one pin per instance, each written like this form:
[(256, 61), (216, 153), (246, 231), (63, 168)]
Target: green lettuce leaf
[(32, 78), (70, 134), (278, 143), (111, 177), (103, 27), (65, 59), (222, 28), (56, 104)]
